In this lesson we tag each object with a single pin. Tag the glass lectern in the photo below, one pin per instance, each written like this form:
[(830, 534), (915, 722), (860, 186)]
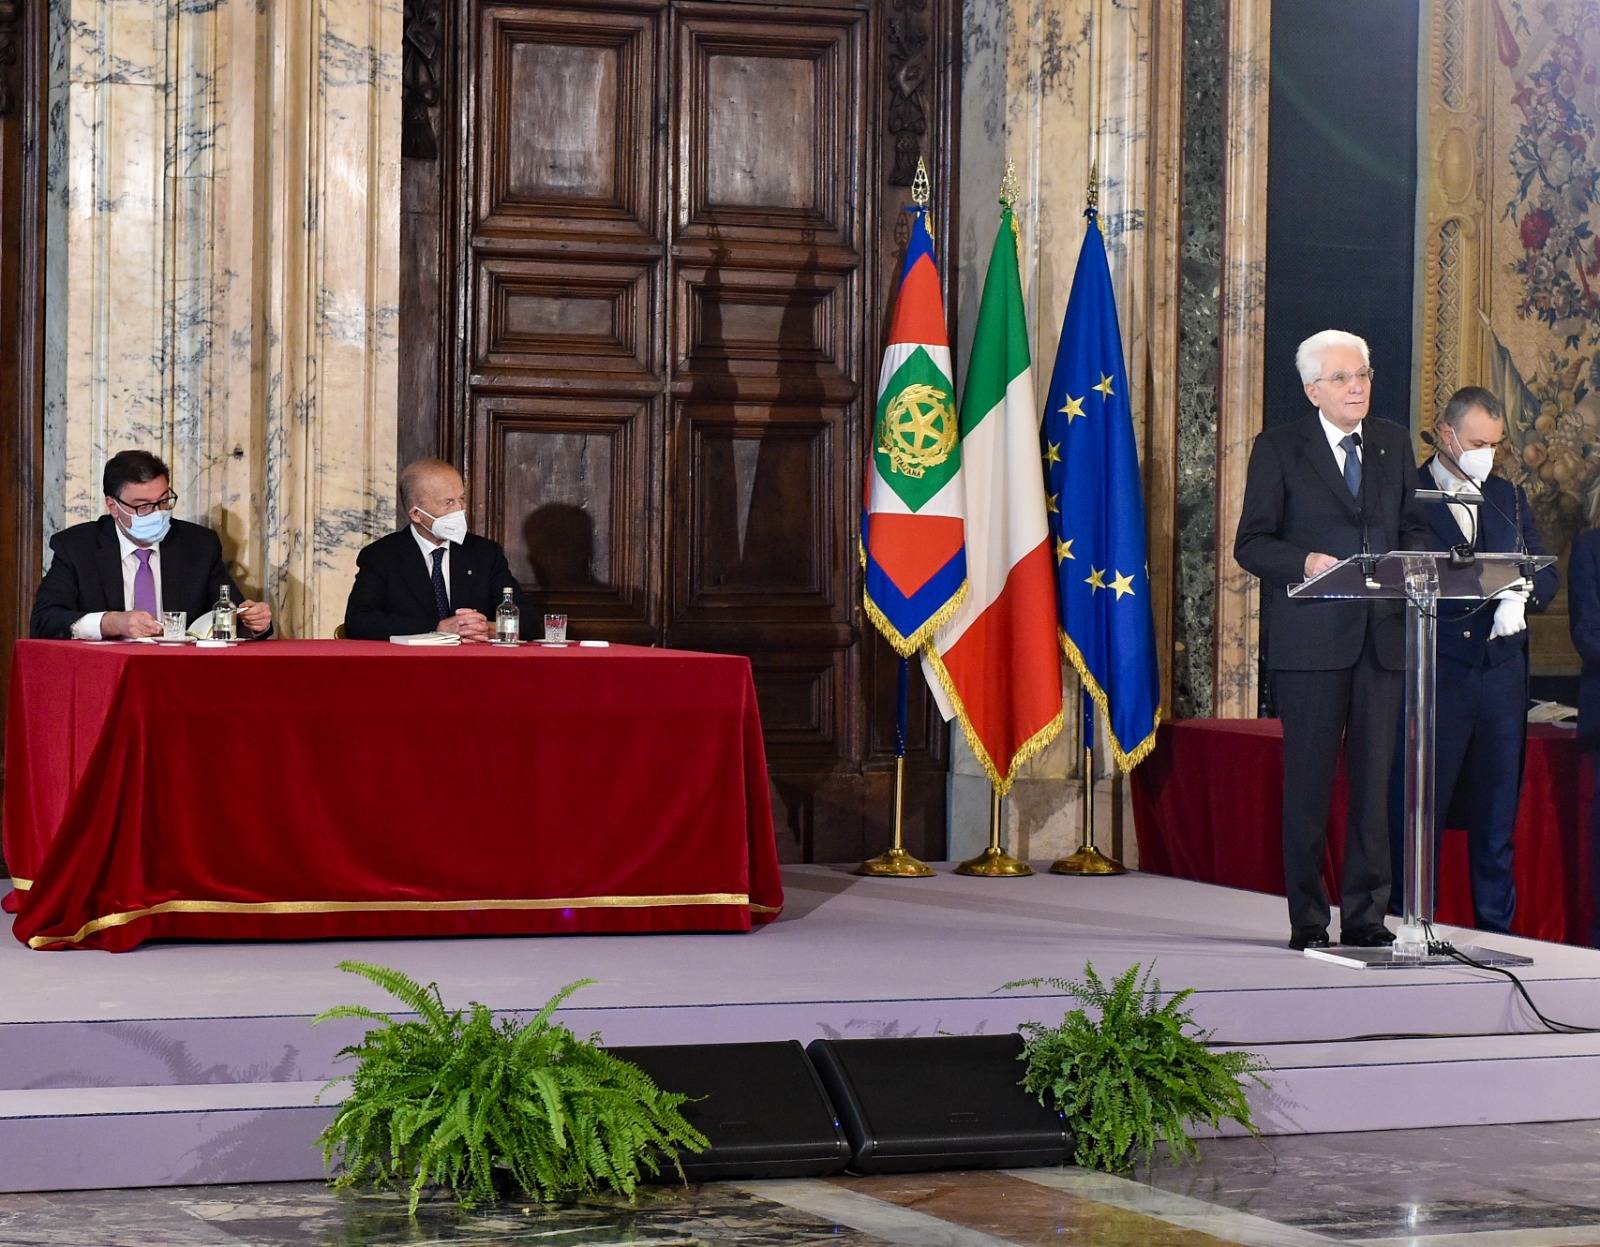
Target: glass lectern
[(1423, 579)]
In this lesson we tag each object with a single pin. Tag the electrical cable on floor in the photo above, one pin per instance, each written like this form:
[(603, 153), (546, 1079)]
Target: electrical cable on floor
[(1441, 948)]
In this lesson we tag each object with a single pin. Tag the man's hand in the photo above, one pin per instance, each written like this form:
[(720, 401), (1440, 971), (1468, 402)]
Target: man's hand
[(468, 624), (1318, 563), (256, 616), (130, 624)]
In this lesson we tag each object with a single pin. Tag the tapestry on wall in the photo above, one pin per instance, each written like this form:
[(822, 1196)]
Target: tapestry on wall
[(1544, 255)]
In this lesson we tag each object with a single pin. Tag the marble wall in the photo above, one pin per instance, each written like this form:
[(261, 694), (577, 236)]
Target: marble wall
[(223, 274)]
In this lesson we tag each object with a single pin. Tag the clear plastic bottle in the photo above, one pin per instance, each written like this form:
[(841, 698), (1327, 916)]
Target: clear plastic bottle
[(507, 620), (223, 627)]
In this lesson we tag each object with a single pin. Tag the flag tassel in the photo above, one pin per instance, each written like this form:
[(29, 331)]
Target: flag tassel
[(895, 862)]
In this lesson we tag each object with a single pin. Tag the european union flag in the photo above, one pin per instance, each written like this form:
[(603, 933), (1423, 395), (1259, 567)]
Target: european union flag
[(1096, 507)]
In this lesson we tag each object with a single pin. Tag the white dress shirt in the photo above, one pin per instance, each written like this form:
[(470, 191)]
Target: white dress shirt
[(427, 547), (1335, 435), (1465, 514), (87, 627)]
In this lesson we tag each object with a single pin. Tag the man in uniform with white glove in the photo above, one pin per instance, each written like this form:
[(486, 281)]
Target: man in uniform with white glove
[(1482, 699)]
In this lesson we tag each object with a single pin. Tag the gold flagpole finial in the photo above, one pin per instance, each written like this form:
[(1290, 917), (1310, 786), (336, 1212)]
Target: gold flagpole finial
[(1094, 187), (921, 187), (1010, 188)]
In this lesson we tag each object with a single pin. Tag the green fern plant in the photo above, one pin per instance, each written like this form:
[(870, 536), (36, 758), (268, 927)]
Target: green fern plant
[(451, 1097), (1133, 1074)]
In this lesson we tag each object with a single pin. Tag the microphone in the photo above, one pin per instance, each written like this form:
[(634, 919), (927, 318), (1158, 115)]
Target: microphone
[(1461, 555), (1478, 495)]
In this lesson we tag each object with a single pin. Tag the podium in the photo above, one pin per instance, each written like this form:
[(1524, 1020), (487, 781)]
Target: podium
[(1424, 579)]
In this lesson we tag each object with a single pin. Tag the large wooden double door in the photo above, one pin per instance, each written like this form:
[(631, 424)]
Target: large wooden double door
[(666, 237)]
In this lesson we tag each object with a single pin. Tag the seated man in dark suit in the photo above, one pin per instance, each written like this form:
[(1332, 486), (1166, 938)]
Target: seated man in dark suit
[(112, 577), (432, 575)]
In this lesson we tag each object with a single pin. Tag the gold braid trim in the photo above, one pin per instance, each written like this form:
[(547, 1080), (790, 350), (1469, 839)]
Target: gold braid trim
[(1126, 759), (367, 907), (907, 646), (1025, 752), (21, 885)]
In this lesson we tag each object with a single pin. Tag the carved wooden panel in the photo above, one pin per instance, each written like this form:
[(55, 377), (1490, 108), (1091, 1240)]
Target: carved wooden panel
[(565, 315), (567, 120), (764, 322), (761, 493), (801, 698), (565, 487), (770, 138)]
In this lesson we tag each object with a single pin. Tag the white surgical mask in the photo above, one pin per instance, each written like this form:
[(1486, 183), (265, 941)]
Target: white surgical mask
[(1477, 463), (451, 527), (149, 529)]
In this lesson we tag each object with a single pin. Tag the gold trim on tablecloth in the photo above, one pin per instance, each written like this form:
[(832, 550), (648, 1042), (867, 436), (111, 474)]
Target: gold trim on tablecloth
[(346, 907), (21, 885)]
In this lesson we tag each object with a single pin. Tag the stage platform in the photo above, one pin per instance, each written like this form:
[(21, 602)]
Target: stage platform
[(182, 1063)]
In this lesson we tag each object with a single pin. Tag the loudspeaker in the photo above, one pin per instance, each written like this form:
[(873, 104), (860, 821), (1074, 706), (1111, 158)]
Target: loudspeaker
[(760, 1104), (948, 1102)]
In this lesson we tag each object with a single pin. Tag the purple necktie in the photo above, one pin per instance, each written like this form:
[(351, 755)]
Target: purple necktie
[(144, 584)]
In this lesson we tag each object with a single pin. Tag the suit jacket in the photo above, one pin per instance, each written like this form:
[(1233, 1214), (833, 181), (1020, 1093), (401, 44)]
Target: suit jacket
[(1583, 617), (1296, 502), (393, 593), (86, 575), (1464, 626)]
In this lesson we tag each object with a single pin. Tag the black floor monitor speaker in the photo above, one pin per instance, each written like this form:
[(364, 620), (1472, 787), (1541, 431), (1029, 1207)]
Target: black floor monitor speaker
[(760, 1104), (947, 1102)]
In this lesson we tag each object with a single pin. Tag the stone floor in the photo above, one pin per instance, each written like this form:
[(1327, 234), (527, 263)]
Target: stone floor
[(1481, 1186)]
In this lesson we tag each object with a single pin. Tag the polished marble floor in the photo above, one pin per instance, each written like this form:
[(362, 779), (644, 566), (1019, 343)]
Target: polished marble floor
[(1479, 1186)]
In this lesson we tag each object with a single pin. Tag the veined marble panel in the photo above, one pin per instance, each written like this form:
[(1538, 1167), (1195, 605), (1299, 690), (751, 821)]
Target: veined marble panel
[(224, 274)]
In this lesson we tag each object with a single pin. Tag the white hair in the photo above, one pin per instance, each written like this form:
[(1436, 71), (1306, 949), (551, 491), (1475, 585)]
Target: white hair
[(1308, 356)]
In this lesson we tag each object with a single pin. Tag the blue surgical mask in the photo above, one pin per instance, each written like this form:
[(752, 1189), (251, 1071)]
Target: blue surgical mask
[(149, 529)]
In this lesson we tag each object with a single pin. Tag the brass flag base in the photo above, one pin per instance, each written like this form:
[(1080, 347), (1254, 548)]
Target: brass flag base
[(994, 863), (894, 863), (1088, 861)]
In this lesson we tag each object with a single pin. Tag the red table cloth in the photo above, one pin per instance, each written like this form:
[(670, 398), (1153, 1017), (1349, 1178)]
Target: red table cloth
[(1208, 805), (309, 789)]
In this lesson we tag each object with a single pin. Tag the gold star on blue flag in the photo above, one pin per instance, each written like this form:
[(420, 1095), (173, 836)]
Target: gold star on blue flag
[(1091, 464)]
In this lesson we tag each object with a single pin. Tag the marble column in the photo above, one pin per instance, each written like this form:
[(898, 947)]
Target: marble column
[(223, 275), (1059, 87)]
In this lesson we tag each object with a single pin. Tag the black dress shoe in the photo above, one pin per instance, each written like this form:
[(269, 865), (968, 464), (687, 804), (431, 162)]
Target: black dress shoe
[(1375, 936), (1308, 937)]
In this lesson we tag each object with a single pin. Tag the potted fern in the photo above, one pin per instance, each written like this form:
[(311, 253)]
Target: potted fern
[(461, 1100), (1136, 1072)]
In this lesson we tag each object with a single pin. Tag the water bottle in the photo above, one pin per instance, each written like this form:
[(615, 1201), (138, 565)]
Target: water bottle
[(507, 620), (222, 617)]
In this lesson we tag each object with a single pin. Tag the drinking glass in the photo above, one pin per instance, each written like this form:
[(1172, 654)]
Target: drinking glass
[(172, 625), (555, 627)]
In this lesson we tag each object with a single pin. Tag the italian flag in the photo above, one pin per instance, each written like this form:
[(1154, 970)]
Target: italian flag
[(997, 664)]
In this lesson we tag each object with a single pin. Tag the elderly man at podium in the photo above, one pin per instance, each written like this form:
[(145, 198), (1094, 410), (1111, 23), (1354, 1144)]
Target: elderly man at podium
[(1328, 486), (1481, 699)]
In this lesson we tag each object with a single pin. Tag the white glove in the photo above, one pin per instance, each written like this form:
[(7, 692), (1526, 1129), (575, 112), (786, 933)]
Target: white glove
[(1510, 616)]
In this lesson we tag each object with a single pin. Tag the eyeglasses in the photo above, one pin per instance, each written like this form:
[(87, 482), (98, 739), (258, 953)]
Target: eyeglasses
[(1340, 380), (166, 502)]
